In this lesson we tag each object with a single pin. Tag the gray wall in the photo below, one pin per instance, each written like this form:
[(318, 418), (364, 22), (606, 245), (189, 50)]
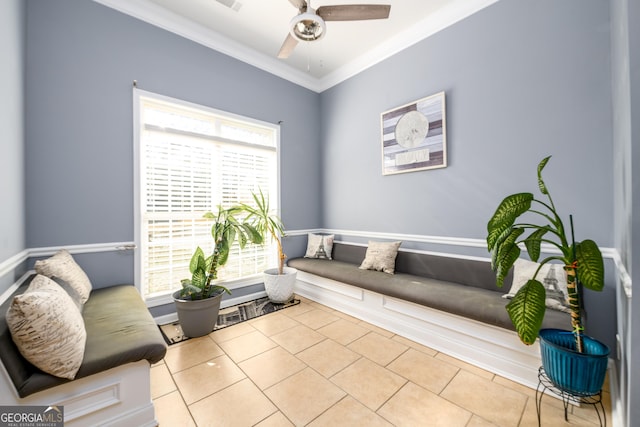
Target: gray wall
[(12, 48), (521, 83), (82, 58), (625, 47)]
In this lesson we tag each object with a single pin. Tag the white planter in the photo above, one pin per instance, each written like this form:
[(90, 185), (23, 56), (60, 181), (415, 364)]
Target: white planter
[(279, 287)]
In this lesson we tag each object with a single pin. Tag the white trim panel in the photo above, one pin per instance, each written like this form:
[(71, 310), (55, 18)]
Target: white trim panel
[(118, 397)]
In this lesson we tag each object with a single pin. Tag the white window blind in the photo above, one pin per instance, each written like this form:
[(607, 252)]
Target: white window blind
[(191, 159)]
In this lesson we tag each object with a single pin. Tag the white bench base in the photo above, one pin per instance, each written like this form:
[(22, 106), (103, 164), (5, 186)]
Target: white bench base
[(494, 349), (119, 397)]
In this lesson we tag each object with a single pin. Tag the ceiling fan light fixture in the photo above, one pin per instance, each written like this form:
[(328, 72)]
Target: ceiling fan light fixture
[(307, 27)]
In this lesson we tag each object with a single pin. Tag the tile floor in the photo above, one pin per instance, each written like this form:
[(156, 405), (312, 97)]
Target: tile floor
[(310, 365)]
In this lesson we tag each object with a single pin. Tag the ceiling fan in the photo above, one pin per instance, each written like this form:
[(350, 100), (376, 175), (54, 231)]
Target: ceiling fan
[(309, 24)]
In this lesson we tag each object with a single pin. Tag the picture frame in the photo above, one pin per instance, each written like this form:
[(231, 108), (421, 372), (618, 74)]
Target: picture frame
[(414, 136)]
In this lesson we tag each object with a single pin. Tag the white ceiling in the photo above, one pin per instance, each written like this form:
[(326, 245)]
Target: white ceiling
[(255, 31)]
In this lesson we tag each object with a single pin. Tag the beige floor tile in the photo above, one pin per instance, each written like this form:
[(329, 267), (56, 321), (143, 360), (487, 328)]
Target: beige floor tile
[(319, 306), (349, 412), (551, 415), (304, 396), (246, 346), (171, 411), (491, 401), (271, 367), (374, 328), (415, 406), (297, 310), (190, 353), (421, 348), (241, 404), (424, 370), (378, 348), (343, 332), (466, 366), (316, 318), (274, 324), (303, 299), (476, 421), (588, 412), (328, 357), (298, 338), (207, 378), (369, 383), (161, 381), (347, 317), (275, 420), (530, 392), (229, 333)]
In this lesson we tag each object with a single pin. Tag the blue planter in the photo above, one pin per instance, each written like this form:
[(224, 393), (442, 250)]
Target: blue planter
[(576, 373)]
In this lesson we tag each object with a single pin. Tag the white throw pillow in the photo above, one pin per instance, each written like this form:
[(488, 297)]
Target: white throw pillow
[(381, 256), (47, 328), (552, 276), (319, 246), (63, 265)]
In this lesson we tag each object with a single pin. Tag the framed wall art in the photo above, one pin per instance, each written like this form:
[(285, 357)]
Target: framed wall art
[(414, 136)]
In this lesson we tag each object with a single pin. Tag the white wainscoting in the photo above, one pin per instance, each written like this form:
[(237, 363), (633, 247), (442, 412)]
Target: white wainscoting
[(118, 397)]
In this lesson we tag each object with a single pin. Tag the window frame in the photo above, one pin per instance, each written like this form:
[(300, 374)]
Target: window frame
[(138, 95)]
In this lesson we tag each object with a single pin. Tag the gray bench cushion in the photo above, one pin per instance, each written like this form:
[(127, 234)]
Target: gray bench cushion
[(119, 328), (473, 294)]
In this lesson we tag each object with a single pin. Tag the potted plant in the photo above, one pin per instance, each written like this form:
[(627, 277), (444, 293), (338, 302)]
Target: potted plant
[(198, 302), (581, 360), (279, 283)]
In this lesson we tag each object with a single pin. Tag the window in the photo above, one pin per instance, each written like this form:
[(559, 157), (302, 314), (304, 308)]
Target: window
[(190, 159)]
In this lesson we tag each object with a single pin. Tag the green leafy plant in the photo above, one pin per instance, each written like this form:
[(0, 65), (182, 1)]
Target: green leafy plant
[(226, 230), (582, 260), (267, 223)]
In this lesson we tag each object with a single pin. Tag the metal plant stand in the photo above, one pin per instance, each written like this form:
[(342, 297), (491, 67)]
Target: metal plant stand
[(544, 383)]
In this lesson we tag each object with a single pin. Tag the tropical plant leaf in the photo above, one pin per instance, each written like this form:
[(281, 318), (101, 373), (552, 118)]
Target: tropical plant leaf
[(533, 242), (590, 269), (505, 262), (252, 233), (526, 311), (541, 185), (197, 255), (504, 247), (199, 278), (509, 209), (497, 243), (223, 253), (188, 290)]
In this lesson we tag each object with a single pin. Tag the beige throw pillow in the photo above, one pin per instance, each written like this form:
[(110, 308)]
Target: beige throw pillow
[(381, 256), (47, 328), (319, 246), (63, 265), (552, 276)]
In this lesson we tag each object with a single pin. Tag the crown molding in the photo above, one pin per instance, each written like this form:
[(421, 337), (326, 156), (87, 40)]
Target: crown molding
[(438, 21), (153, 14)]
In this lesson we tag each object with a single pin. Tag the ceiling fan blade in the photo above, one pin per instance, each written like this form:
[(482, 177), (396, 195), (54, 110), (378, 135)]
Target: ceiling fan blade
[(299, 4), (354, 12), (287, 47)]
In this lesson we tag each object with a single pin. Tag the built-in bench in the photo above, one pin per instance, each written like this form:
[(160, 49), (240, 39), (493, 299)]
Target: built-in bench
[(112, 385), (448, 303)]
